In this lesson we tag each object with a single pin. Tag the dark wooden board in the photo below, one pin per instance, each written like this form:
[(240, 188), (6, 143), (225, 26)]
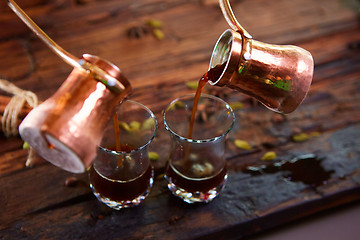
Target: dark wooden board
[(35, 201)]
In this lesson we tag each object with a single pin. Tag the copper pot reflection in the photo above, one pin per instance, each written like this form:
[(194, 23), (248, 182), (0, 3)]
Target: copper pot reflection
[(67, 128), (279, 76)]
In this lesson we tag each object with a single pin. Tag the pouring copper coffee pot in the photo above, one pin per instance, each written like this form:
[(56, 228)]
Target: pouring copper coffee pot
[(67, 127), (279, 76)]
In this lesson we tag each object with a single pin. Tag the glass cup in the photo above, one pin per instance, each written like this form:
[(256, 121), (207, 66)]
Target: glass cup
[(196, 168), (121, 175)]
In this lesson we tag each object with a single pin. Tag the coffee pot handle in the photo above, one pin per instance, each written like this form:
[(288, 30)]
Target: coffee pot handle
[(236, 26), (98, 73), (231, 19)]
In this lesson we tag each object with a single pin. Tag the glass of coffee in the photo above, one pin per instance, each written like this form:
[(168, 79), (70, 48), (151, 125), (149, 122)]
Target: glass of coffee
[(196, 167), (121, 175)]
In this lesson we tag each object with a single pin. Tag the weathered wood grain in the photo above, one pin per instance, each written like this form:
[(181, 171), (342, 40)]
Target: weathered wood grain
[(35, 202), (245, 200), (191, 31), (238, 193)]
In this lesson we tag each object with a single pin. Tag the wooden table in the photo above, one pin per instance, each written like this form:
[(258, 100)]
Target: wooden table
[(36, 203)]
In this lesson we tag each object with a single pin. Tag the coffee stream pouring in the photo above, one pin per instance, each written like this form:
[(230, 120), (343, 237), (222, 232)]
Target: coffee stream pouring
[(279, 76), (67, 128)]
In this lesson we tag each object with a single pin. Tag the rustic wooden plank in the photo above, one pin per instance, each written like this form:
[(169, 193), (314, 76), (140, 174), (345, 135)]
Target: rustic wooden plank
[(12, 26), (57, 194), (176, 88), (12, 161), (45, 186), (182, 47), (251, 202), (9, 144), (18, 50), (245, 200)]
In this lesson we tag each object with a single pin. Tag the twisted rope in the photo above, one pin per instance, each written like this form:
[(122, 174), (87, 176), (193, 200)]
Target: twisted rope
[(9, 121)]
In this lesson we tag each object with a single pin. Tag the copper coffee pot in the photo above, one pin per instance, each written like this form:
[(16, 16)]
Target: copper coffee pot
[(279, 76), (67, 128)]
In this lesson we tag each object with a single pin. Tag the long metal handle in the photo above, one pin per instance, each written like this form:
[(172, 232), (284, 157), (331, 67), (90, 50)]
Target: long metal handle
[(66, 56), (231, 20), (100, 75), (235, 26)]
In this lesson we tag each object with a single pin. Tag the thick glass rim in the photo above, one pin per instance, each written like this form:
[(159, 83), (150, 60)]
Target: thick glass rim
[(204, 95), (152, 115)]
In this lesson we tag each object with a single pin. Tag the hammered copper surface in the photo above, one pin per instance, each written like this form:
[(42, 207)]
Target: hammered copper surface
[(67, 127), (279, 76)]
